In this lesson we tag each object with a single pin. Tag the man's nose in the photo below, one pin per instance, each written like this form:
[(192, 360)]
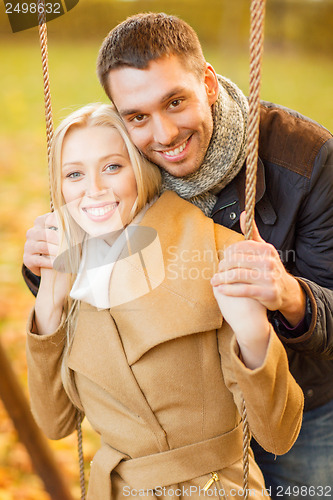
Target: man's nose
[(165, 130)]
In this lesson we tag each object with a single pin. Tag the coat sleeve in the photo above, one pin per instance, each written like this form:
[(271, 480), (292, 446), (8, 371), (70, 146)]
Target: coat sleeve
[(273, 399), (51, 407), (314, 259), (32, 281)]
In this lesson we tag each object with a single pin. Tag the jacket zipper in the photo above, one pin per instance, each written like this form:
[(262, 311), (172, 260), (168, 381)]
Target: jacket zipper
[(215, 479), (212, 480)]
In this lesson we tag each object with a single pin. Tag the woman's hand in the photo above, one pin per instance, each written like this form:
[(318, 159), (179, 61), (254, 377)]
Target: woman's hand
[(41, 245), (241, 286), (253, 269), (248, 319), (54, 285)]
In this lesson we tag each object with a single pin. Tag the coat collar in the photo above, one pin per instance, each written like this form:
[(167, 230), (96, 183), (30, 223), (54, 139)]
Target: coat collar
[(162, 291), (155, 299)]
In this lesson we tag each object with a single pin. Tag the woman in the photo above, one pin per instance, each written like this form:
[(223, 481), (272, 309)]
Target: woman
[(138, 336)]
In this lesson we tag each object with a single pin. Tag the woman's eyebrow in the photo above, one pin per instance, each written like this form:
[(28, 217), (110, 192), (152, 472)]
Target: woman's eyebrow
[(102, 158)]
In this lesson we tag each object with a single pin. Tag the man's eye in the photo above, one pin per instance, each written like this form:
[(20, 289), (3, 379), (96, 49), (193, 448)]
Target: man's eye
[(175, 103), (138, 118)]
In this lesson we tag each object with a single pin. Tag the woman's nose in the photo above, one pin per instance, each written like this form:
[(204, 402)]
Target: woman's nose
[(95, 186)]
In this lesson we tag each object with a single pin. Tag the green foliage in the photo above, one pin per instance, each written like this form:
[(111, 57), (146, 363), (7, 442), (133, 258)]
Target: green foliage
[(306, 24)]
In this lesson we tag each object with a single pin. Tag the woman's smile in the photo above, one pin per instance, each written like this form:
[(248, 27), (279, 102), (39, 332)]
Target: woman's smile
[(100, 213), (98, 181)]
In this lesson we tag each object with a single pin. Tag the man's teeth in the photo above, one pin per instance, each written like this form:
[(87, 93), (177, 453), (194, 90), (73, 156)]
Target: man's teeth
[(177, 151), (98, 211)]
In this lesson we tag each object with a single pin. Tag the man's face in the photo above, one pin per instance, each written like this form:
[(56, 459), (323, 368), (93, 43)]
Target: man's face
[(167, 111)]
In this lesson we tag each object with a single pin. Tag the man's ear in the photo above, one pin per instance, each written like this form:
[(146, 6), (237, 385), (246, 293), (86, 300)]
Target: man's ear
[(211, 84)]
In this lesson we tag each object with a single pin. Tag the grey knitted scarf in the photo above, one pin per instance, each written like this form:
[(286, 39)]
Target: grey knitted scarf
[(225, 155)]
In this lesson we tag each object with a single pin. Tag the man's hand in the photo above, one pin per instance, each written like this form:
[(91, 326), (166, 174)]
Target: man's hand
[(254, 269), (41, 246)]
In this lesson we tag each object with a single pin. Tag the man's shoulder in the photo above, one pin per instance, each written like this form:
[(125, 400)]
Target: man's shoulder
[(289, 139)]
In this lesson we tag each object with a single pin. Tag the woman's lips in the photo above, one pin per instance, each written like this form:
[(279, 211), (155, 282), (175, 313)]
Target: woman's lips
[(100, 212)]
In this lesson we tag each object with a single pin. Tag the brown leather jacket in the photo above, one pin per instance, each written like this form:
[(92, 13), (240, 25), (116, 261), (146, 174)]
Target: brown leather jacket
[(294, 212)]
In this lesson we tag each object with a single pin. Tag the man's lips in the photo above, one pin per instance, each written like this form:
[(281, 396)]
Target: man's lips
[(177, 153)]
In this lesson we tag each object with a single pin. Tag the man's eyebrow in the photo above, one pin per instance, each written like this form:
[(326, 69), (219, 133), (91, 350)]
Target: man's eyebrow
[(166, 97)]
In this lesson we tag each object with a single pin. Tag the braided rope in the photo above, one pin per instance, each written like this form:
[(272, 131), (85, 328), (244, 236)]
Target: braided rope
[(49, 137), (80, 454), (256, 50), (46, 80), (246, 446)]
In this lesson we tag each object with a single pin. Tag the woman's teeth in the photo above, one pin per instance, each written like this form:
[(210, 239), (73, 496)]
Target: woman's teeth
[(98, 211)]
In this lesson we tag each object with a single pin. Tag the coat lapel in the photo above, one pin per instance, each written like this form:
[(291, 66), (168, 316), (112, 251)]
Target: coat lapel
[(162, 291), (159, 290), (97, 353)]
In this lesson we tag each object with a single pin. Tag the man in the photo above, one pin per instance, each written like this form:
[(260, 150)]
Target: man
[(193, 124)]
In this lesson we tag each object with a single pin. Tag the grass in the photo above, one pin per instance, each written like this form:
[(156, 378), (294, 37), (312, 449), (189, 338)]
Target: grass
[(292, 79)]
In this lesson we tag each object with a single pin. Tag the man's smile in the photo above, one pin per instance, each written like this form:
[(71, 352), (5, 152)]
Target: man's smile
[(177, 153)]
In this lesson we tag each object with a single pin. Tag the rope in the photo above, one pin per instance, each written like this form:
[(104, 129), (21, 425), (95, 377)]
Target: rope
[(49, 137), (246, 446), (80, 454), (256, 50), (47, 93)]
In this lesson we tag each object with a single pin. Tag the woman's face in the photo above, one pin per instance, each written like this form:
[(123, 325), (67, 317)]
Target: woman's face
[(98, 182)]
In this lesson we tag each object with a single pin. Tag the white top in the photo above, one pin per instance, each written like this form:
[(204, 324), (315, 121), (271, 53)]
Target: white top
[(97, 262)]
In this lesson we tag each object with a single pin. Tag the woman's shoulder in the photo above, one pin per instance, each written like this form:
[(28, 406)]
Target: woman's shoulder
[(170, 210)]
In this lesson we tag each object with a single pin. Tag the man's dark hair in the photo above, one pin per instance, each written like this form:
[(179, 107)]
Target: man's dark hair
[(145, 37)]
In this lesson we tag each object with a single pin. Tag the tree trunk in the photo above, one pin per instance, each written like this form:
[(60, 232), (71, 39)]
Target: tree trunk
[(29, 433)]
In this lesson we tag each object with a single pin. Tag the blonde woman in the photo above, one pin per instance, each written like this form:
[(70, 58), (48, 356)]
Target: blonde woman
[(127, 329)]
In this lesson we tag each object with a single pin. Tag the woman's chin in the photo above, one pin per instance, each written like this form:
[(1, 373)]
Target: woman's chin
[(105, 233)]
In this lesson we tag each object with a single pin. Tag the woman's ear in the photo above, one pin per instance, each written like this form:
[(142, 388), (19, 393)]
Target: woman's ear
[(211, 84)]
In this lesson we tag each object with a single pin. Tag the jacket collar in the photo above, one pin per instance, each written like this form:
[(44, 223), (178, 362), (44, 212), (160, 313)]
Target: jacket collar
[(231, 201)]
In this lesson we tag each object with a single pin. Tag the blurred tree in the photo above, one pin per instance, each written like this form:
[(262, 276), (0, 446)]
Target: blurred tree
[(304, 24)]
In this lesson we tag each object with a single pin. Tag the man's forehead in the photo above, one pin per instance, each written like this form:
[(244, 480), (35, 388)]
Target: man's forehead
[(131, 87)]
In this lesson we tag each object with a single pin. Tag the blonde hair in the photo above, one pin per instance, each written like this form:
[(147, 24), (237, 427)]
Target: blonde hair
[(148, 181)]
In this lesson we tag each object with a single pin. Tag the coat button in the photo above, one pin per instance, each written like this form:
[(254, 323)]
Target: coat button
[(232, 216), (309, 393)]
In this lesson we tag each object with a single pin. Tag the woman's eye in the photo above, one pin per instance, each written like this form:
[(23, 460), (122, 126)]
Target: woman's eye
[(74, 175), (112, 168)]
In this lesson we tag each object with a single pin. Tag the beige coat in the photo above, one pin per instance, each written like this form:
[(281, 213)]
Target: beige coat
[(159, 374)]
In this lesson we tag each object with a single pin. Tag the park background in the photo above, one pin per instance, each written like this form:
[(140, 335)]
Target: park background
[(297, 72)]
